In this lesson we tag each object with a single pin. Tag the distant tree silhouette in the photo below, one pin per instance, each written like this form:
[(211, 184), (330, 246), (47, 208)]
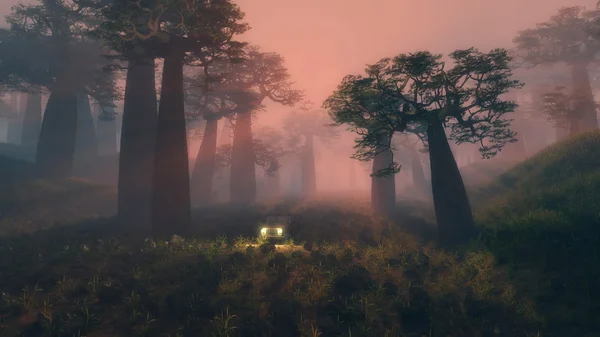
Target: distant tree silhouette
[(263, 74), (302, 127), (47, 47), (215, 95), (567, 37)]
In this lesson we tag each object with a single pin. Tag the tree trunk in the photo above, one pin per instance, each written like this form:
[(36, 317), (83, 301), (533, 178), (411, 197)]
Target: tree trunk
[(171, 208), (586, 107), (561, 132), (383, 189), (274, 185), (204, 168), (56, 144), (107, 132), (32, 122), (138, 134), (575, 126), (309, 174), (243, 170), (418, 175), (225, 136), (451, 203), (14, 129), (86, 143)]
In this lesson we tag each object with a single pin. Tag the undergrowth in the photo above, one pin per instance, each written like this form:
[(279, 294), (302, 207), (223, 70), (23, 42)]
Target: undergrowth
[(534, 270)]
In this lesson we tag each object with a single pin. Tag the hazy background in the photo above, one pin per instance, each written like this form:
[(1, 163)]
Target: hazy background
[(324, 40)]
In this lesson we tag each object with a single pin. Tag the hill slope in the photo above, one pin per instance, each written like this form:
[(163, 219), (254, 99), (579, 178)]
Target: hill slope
[(542, 219)]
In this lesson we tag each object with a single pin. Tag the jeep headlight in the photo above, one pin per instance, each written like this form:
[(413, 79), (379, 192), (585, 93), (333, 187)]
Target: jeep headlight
[(280, 231), (263, 231)]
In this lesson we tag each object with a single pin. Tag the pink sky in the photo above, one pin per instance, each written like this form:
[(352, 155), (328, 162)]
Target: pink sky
[(323, 40)]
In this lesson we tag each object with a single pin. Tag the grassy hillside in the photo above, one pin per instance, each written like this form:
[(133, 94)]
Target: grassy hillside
[(28, 204), (541, 220), (534, 271)]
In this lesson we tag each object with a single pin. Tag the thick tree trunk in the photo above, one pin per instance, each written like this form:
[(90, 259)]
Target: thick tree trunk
[(309, 173), (14, 130), (243, 159), (107, 132), (418, 175), (561, 132), (204, 168), (171, 208), (575, 126), (222, 174), (32, 122), (86, 143), (56, 144), (383, 189), (586, 107), (225, 136), (138, 132), (451, 203), (274, 185)]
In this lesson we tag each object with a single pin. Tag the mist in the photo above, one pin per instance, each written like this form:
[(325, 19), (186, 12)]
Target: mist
[(299, 168)]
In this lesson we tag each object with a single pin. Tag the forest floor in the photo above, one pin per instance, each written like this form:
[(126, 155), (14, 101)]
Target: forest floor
[(534, 270)]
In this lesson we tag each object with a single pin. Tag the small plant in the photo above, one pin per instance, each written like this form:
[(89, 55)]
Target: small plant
[(223, 324), (93, 284), (29, 298), (147, 321)]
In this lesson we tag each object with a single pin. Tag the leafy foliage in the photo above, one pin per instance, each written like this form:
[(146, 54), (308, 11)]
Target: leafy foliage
[(411, 91), (48, 41), (567, 36), (267, 156)]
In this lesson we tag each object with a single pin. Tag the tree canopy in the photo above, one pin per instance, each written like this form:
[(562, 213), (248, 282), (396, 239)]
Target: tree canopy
[(565, 37), (410, 91)]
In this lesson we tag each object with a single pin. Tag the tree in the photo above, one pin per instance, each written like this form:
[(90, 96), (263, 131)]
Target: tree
[(411, 153), (267, 157), (106, 127), (271, 147), (265, 75), (127, 29), (359, 104), (32, 120), (217, 96), (46, 47), (86, 141), (179, 31), (561, 109), (302, 127), (566, 37), (416, 93)]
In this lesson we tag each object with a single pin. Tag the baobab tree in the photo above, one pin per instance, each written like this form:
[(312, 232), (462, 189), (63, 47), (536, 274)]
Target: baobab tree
[(216, 96), (47, 48), (179, 32), (566, 37), (265, 75), (561, 109), (357, 104), (272, 148), (32, 120), (407, 150), (415, 92), (302, 127)]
